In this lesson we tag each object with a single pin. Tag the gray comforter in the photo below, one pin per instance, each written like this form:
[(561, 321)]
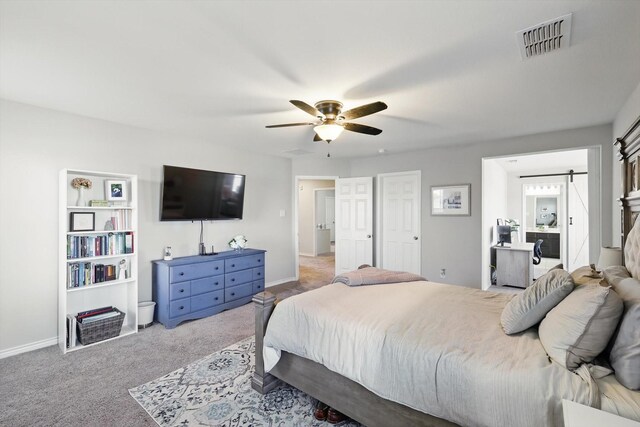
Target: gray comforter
[(434, 347)]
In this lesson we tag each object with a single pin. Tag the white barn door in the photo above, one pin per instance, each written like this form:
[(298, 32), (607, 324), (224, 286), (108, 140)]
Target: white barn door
[(578, 218), (354, 223), (400, 198)]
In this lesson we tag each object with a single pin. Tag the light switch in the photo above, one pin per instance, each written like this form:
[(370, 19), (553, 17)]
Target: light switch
[(282, 213)]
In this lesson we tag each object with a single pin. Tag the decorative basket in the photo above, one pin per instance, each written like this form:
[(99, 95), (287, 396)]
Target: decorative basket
[(100, 329)]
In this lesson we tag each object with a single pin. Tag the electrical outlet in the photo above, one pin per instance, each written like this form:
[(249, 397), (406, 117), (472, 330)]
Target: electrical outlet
[(443, 273)]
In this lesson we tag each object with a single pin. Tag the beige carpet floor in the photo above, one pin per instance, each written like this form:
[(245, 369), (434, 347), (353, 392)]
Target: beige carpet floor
[(90, 387)]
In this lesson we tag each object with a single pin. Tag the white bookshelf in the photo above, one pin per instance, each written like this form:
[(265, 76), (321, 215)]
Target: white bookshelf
[(121, 293)]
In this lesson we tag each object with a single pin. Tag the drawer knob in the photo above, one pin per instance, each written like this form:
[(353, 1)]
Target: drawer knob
[(259, 274), (233, 280), (216, 299), (233, 265), (182, 307), (233, 294), (259, 260), (181, 290), (182, 273), (216, 268), (215, 284)]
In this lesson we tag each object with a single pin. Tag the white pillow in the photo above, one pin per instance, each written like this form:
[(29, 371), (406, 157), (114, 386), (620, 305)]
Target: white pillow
[(530, 307), (579, 328)]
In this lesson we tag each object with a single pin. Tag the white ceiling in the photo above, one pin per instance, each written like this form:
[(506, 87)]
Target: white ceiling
[(450, 71)]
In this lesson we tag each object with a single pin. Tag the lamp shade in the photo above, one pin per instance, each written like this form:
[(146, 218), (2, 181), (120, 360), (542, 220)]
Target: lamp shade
[(328, 132), (610, 256)]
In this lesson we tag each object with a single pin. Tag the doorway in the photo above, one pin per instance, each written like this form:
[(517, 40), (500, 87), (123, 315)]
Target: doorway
[(545, 196), (314, 230)]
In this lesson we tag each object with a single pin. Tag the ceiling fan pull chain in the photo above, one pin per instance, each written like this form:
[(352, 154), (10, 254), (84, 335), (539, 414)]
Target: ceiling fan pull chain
[(328, 147)]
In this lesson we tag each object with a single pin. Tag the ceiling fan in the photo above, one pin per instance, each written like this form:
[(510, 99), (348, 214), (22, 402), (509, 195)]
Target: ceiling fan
[(332, 121)]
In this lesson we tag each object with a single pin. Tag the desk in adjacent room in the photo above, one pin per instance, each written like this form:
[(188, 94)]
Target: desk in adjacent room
[(514, 265)]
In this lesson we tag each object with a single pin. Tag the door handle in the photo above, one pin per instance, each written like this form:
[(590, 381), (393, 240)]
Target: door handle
[(570, 220), (368, 236), (415, 237)]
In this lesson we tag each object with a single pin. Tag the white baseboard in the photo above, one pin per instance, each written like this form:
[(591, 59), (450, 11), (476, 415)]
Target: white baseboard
[(28, 347), (279, 282), (305, 254)]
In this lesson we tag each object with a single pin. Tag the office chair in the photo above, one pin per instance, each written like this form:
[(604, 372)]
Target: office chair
[(537, 252)]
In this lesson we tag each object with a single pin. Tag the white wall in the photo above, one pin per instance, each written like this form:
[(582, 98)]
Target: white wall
[(36, 143), (455, 243), (624, 119)]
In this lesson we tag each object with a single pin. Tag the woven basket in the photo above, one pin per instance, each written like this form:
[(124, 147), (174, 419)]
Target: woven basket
[(100, 329)]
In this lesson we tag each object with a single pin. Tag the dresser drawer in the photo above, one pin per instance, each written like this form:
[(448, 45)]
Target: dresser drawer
[(179, 307), (195, 271), (258, 273), (236, 292), (179, 290), (258, 286), (243, 262), (207, 300), (208, 284), (238, 278)]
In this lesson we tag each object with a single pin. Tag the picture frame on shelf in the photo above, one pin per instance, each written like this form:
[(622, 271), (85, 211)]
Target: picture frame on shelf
[(451, 200), (115, 190), (82, 221)]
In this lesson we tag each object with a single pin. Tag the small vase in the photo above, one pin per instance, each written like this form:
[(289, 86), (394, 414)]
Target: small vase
[(80, 201)]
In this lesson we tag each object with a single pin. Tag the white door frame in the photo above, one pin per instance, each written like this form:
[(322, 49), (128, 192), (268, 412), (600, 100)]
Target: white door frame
[(296, 197), (377, 255)]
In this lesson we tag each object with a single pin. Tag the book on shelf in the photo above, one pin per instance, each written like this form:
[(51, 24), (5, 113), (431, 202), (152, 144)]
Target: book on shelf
[(94, 315), (110, 243), (81, 274), (71, 331), (99, 203)]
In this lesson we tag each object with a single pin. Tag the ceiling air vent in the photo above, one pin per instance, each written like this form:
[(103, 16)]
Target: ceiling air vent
[(545, 37)]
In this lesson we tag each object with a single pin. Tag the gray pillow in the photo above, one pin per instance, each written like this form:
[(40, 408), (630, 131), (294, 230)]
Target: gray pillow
[(578, 329), (530, 307), (625, 352)]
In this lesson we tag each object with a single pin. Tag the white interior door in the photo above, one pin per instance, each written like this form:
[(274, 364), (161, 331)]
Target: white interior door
[(330, 216), (578, 222), (354, 223), (400, 218)]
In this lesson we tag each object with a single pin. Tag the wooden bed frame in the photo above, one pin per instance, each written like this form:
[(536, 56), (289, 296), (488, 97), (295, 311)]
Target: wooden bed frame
[(363, 405)]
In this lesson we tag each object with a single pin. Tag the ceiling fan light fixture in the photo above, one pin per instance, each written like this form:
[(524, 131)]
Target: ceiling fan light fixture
[(328, 132)]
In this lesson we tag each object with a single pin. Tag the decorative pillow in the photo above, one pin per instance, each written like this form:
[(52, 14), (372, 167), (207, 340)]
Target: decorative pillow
[(557, 267), (625, 352), (530, 307), (615, 274), (579, 328), (587, 276)]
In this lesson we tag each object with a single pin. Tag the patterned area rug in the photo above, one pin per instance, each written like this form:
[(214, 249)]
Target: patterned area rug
[(216, 391)]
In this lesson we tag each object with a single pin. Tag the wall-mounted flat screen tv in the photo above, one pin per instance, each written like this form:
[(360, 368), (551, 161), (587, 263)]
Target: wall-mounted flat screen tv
[(195, 194)]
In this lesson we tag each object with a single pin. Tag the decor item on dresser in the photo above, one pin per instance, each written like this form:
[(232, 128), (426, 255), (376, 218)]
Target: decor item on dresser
[(452, 200), (193, 287), (115, 190), (239, 242), (167, 254), (81, 184)]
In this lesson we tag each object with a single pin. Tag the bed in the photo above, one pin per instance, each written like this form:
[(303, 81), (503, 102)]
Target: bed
[(342, 345)]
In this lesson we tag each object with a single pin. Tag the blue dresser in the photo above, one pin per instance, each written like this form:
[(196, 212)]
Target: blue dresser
[(199, 286)]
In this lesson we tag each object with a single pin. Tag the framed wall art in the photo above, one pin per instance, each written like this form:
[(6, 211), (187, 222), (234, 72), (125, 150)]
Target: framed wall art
[(451, 200), (115, 190), (82, 221)]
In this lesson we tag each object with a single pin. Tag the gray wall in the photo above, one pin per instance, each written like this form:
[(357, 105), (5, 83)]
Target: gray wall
[(36, 143), (455, 243), (624, 119)]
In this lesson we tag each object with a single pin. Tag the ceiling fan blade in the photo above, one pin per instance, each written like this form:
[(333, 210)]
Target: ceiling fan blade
[(306, 108), (364, 110), (355, 127), (290, 124), (317, 138)]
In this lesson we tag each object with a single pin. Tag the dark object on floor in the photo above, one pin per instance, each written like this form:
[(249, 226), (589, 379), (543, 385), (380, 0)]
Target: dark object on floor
[(335, 417), (321, 411), (537, 251)]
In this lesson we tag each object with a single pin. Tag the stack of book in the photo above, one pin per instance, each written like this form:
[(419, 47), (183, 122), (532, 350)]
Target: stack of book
[(99, 245), (86, 317), (80, 274)]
